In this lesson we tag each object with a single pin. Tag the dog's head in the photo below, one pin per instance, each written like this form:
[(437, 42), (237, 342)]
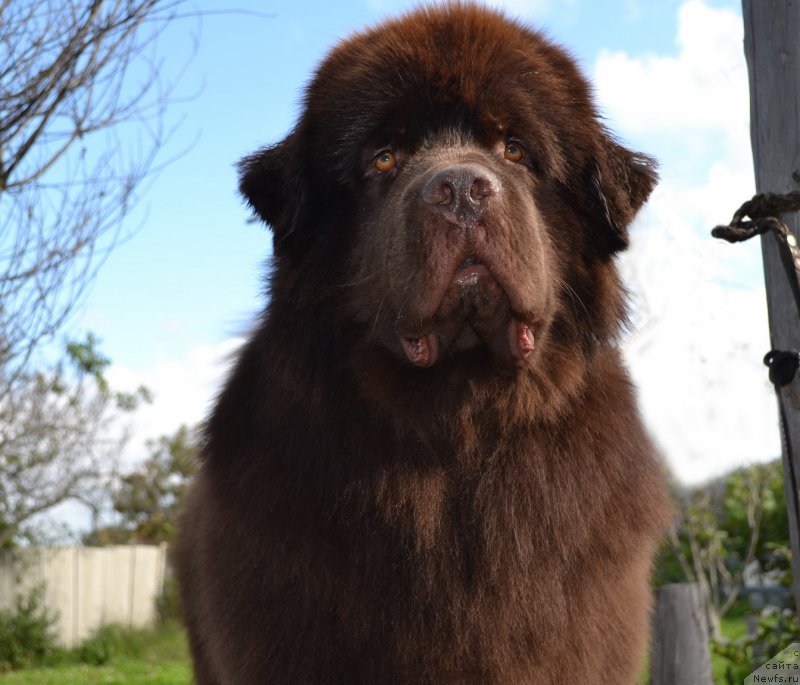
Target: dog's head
[(450, 183)]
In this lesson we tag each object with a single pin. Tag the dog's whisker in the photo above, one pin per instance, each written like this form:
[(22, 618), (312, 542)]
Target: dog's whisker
[(359, 281), (574, 297), (402, 302), (377, 314)]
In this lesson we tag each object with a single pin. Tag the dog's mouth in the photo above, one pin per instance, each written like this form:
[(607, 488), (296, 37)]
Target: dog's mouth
[(425, 350), (469, 272), (473, 311)]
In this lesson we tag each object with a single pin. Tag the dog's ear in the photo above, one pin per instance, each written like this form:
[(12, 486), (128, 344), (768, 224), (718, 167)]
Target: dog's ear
[(270, 180), (621, 182)]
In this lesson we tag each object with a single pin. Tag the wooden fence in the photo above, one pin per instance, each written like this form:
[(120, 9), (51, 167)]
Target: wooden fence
[(87, 587), (679, 652)]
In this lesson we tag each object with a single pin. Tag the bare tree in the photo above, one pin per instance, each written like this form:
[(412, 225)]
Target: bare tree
[(57, 438), (75, 75), (82, 99), (718, 534)]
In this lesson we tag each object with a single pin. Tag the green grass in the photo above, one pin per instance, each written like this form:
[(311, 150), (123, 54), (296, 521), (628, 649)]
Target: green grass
[(124, 672), (158, 657), (161, 657)]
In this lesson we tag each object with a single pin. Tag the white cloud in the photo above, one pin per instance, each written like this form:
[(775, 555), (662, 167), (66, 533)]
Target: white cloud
[(703, 325), (183, 391), (702, 89)]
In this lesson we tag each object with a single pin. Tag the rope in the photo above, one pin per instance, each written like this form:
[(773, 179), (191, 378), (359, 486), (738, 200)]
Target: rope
[(763, 210)]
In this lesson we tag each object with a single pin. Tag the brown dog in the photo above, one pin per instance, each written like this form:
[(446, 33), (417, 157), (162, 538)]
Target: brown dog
[(428, 465)]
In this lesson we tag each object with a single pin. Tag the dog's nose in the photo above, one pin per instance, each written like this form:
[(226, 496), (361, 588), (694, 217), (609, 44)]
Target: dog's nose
[(462, 190)]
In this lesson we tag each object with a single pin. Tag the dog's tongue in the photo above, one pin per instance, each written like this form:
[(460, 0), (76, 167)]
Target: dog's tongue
[(422, 351)]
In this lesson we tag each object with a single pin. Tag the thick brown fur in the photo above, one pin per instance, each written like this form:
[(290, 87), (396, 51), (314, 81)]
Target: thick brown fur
[(478, 513)]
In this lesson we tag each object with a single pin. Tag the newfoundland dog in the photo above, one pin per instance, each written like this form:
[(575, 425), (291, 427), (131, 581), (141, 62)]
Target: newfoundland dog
[(427, 466)]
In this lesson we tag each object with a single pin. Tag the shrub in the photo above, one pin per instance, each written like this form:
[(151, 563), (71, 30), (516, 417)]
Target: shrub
[(109, 642), (26, 633), (168, 603), (774, 630)]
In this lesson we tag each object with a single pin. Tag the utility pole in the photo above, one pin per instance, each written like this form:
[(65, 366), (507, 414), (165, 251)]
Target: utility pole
[(772, 49)]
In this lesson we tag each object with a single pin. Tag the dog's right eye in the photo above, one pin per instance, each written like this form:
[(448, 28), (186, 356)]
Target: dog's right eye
[(385, 161), (514, 152)]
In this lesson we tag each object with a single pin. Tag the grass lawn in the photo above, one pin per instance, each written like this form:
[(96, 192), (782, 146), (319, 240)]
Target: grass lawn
[(161, 657), (123, 672), (153, 658)]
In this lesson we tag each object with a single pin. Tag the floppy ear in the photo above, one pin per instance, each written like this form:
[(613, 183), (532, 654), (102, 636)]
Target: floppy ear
[(270, 182), (621, 180)]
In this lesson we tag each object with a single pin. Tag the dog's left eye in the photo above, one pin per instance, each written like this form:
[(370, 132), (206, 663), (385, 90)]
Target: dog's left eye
[(513, 152), (385, 161)]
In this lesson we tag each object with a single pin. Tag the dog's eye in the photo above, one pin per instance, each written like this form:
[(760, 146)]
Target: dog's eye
[(385, 161), (513, 152)]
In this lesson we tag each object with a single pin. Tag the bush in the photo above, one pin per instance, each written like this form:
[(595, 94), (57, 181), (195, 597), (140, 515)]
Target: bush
[(115, 644), (96, 650), (168, 603), (110, 642), (774, 630), (26, 634)]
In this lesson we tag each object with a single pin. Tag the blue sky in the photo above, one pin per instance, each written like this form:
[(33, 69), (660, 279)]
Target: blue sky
[(173, 298)]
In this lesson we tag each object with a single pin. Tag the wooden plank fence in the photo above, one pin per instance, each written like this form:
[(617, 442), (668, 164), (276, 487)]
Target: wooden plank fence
[(679, 653), (87, 587)]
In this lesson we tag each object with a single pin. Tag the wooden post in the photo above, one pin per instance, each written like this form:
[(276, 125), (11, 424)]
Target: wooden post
[(772, 49), (679, 655)]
